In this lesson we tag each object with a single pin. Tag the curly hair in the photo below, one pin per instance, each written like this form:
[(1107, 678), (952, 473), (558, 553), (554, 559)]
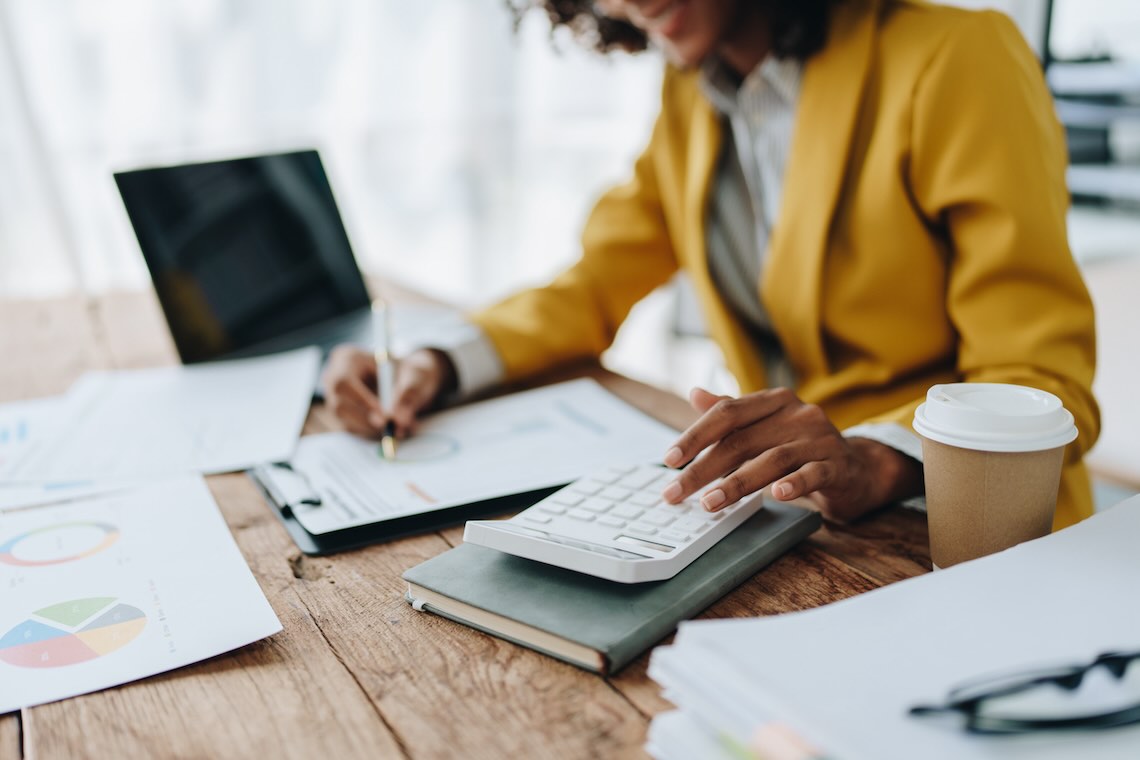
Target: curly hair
[(799, 27)]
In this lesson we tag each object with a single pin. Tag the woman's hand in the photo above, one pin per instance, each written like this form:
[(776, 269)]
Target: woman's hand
[(350, 389), (772, 437)]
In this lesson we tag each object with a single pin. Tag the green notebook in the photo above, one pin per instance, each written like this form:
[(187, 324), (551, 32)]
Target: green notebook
[(593, 623)]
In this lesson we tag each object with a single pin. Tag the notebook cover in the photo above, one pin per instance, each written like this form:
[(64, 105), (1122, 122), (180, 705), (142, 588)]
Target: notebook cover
[(620, 621)]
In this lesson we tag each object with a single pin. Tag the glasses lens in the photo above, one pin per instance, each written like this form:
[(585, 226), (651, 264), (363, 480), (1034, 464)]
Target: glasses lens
[(1100, 693)]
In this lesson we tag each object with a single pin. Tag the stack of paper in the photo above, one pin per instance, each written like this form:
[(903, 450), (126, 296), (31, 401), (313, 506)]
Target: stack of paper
[(113, 428), (845, 675)]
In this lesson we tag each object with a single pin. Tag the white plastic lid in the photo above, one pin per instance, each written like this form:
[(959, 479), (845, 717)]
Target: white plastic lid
[(994, 417)]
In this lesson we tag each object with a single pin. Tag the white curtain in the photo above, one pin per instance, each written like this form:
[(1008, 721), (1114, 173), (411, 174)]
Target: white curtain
[(463, 156)]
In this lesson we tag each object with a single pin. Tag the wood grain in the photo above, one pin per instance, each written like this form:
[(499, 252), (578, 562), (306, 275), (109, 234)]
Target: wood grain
[(133, 330), (46, 346), (10, 736), (887, 546)]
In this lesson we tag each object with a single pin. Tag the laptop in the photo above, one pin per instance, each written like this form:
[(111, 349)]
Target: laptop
[(248, 256)]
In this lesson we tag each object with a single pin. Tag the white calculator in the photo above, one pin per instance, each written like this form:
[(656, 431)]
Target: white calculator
[(614, 524)]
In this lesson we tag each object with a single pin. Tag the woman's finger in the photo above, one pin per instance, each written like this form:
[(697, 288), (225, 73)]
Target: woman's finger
[(723, 417)]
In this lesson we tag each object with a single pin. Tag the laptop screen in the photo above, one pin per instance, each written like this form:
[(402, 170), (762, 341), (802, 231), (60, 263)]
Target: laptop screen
[(242, 251)]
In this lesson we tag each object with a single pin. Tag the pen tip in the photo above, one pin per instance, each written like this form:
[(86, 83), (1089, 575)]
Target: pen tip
[(388, 447)]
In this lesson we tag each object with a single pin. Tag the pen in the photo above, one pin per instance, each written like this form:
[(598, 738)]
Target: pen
[(385, 373)]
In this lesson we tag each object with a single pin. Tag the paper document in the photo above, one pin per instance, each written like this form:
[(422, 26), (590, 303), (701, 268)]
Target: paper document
[(119, 587), (22, 424), (507, 445), (845, 675), (152, 423)]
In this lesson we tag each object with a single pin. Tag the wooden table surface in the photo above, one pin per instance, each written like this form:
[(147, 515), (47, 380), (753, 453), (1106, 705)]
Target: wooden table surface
[(356, 672)]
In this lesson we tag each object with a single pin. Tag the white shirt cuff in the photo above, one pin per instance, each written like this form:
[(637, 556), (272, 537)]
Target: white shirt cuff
[(476, 361), (898, 438)]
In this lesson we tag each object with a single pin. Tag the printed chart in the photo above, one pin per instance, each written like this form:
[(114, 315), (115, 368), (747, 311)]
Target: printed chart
[(57, 544), (71, 632)]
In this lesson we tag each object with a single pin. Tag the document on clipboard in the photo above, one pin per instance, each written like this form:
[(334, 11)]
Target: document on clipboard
[(338, 491)]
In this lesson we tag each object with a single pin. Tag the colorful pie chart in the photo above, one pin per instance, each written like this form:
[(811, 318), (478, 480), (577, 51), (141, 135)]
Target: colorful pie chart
[(59, 543), (72, 632)]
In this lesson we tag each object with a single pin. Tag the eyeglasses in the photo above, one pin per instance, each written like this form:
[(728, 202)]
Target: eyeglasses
[(1049, 698)]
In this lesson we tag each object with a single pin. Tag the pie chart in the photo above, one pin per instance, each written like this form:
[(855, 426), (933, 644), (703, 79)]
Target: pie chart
[(71, 632), (57, 544)]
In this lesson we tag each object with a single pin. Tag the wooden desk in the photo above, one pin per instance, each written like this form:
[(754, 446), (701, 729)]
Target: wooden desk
[(356, 672)]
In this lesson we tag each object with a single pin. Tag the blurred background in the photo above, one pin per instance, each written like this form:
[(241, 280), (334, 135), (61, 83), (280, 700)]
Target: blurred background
[(464, 154)]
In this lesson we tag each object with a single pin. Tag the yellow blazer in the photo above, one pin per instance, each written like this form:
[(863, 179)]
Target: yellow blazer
[(921, 237)]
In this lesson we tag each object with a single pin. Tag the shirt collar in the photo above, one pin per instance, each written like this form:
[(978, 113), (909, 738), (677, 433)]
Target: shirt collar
[(781, 75)]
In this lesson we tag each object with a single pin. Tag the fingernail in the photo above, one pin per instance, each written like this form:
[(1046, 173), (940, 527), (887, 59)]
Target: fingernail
[(672, 492), (713, 499), (673, 457), (783, 490), (376, 420)]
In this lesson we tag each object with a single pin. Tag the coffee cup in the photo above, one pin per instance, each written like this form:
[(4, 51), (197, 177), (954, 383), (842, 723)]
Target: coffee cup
[(992, 456)]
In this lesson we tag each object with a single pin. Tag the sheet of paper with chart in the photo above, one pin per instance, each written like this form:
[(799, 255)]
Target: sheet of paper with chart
[(113, 588), (152, 423), (522, 442), (23, 424)]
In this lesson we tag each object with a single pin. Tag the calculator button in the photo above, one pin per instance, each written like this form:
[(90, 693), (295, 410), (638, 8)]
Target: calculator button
[(596, 504), (611, 521), (645, 499), (674, 509), (642, 529), (691, 524), (536, 517), (639, 480), (658, 519), (616, 493), (567, 498), (581, 514), (608, 477), (551, 507), (627, 511), (669, 535), (587, 487)]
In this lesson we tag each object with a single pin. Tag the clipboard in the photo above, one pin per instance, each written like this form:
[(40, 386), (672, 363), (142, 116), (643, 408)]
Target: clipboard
[(339, 492), (283, 488)]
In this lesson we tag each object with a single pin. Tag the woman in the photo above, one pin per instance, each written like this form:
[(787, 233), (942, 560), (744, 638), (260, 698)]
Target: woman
[(869, 198)]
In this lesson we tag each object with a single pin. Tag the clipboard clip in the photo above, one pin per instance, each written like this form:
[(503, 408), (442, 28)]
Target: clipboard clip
[(285, 487)]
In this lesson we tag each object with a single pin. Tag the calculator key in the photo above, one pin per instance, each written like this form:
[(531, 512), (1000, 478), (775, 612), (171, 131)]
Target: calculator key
[(628, 511), (644, 498), (596, 504), (587, 487), (670, 535), (616, 493), (551, 507), (581, 514), (642, 529), (611, 521), (536, 517), (658, 519), (567, 498), (608, 476), (639, 479), (691, 524), (674, 509)]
